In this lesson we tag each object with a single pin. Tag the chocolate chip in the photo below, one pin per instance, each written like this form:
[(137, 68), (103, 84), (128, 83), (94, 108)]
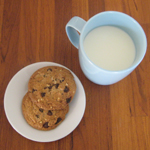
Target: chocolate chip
[(45, 125), (45, 87), (41, 110), (68, 100), (49, 69), (33, 90), (49, 113), (43, 94), (63, 79), (50, 87), (37, 116), (66, 89), (56, 85), (58, 120)]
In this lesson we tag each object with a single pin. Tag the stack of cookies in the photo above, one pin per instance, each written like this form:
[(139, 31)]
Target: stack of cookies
[(50, 90)]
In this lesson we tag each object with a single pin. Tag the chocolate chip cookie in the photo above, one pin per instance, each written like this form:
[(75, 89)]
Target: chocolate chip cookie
[(52, 87), (39, 118)]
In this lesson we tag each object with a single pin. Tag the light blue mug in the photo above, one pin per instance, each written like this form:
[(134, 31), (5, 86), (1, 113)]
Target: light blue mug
[(112, 18)]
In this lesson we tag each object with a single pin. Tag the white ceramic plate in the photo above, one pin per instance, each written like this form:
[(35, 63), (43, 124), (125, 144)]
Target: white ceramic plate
[(15, 91)]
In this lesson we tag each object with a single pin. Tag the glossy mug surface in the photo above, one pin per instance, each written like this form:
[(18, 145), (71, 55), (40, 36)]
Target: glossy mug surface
[(120, 20)]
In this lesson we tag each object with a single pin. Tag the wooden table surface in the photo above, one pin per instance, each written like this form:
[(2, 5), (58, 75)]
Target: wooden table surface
[(117, 117)]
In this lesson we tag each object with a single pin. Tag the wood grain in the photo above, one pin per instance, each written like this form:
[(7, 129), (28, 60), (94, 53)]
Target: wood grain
[(117, 117)]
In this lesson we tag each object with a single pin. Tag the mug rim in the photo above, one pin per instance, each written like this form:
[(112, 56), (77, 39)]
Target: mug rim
[(113, 71)]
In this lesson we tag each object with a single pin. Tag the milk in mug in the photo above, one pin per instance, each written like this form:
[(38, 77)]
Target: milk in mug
[(110, 48)]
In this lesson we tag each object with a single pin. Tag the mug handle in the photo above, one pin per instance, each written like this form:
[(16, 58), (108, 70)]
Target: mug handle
[(74, 26)]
